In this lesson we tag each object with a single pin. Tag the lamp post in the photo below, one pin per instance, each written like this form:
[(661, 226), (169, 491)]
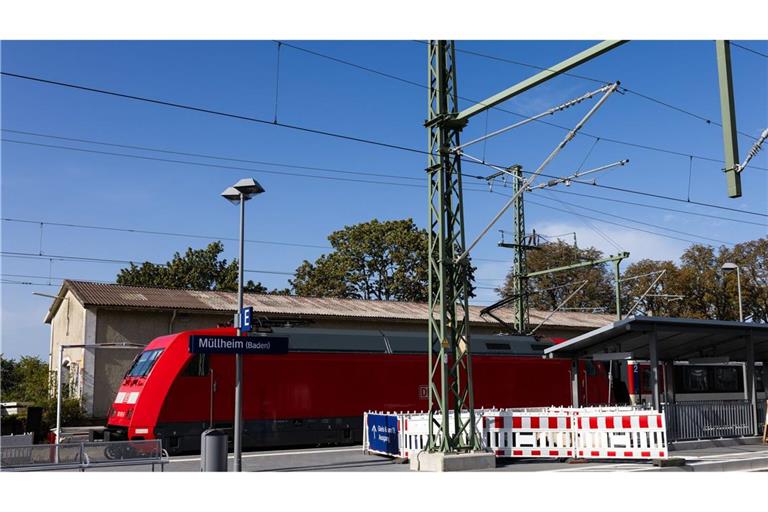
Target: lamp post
[(729, 267), (239, 193)]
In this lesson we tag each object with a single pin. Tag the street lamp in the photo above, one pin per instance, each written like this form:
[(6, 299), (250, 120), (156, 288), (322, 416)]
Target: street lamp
[(730, 267), (239, 193)]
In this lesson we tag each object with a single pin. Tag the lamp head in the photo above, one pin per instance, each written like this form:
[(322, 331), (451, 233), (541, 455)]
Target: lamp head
[(249, 187), (729, 267), (232, 195)]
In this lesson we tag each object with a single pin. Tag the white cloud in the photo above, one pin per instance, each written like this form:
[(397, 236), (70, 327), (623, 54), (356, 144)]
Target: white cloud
[(639, 244)]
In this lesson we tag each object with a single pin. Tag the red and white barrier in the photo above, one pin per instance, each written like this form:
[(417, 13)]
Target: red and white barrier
[(529, 434), (622, 435), (555, 432)]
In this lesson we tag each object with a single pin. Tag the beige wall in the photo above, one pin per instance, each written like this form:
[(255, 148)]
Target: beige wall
[(110, 367), (120, 326), (67, 328)]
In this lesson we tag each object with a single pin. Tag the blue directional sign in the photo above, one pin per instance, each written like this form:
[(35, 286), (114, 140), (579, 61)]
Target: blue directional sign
[(246, 319), (248, 345), (382, 433)]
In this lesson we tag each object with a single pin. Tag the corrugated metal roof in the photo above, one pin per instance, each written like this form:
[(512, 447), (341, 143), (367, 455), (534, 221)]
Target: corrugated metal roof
[(112, 295)]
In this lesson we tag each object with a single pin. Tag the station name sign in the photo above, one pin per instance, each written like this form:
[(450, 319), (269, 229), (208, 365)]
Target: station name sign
[(238, 344)]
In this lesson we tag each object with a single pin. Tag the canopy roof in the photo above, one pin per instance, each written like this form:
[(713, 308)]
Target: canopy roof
[(678, 339)]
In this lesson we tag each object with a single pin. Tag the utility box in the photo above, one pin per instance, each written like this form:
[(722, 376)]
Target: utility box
[(213, 450)]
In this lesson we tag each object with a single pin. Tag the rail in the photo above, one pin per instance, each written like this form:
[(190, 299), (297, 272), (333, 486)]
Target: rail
[(83, 456), (709, 419)]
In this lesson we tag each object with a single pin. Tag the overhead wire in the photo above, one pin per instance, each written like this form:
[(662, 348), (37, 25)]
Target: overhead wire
[(749, 50), (199, 164), (161, 233), (623, 88), (325, 169), (91, 259)]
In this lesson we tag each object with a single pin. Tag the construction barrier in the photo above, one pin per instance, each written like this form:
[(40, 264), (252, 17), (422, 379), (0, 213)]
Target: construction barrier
[(621, 435), (553, 432), (529, 434)]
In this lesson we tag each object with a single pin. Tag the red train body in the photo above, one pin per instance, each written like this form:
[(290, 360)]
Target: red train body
[(317, 393)]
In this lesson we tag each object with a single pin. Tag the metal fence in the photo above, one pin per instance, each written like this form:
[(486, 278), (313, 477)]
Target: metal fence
[(82, 456), (709, 419)]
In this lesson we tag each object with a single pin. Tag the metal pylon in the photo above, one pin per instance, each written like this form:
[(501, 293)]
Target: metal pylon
[(450, 363), (519, 263)]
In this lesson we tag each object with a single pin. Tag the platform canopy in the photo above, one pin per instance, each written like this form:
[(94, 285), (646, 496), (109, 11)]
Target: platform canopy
[(676, 339)]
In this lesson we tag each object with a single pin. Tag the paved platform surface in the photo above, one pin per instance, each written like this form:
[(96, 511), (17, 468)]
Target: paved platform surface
[(730, 456)]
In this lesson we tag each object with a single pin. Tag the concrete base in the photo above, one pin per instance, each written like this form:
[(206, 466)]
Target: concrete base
[(714, 443), (673, 461), (424, 461)]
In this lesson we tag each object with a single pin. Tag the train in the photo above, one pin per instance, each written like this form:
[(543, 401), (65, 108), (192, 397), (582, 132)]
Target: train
[(692, 381), (316, 394)]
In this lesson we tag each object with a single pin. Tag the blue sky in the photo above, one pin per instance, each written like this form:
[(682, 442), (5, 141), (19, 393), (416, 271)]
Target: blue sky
[(56, 185)]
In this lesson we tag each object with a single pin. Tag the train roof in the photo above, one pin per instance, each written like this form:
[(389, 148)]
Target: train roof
[(302, 339)]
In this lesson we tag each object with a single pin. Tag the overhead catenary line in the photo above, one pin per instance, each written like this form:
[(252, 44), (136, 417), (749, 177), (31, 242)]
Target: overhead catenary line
[(161, 233), (571, 134), (549, 112), (342, 136), (90, 259), (183, 162), (477, 190), (749, 50), (212, 112), (641, 222), (361, 173), (622, 89)]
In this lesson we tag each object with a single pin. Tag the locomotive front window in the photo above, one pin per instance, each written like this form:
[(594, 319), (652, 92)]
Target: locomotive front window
[(144, 363)]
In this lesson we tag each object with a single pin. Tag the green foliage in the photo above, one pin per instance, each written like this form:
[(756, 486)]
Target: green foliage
[(198, 269), (25, 380), (371, 260), (596, 293), (708, 292)]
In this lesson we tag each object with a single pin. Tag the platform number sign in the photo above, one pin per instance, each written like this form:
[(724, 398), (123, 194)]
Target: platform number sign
[(246, 319)]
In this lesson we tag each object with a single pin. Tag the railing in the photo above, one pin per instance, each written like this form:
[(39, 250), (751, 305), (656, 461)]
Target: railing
[(82, 456), (709, 419)]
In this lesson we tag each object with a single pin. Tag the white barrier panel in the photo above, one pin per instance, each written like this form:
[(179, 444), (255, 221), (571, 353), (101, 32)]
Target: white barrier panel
[(529, 434), (627, 435)]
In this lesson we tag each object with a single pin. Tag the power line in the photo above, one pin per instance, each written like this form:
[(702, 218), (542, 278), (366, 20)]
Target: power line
[(213, 112), (327, 133), (89, 259), (641, 222), (749, 50), (184, 162), (607, 221), (219, 166), (623, 89), (200, 155), (161, 233), (655, 207)]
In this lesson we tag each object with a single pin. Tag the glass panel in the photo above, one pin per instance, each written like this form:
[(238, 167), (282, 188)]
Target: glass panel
[(144, 363)]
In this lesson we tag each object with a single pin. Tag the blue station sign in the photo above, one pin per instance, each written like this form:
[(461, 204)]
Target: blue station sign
[(249, 345), (382, 433), (246, 319)]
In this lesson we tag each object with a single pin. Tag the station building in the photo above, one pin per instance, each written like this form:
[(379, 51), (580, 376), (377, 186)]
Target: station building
[(112, 323)]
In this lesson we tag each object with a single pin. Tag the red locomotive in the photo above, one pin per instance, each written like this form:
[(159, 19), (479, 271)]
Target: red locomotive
[(317, 393)]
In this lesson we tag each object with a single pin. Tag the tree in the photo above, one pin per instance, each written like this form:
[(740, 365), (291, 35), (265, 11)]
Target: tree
[(25, 380), (598, 291), (752, 257), (638, 278), (371, 260), (198, 269)]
